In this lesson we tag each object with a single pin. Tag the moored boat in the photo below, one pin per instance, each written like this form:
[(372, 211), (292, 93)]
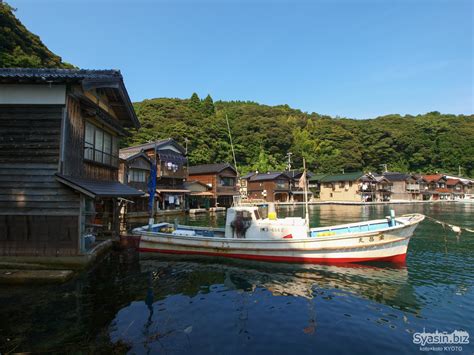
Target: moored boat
[(249, 236)]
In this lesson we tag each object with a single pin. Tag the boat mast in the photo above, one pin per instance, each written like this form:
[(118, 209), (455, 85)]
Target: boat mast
[(235, 161), (231, 144), (305, 189)]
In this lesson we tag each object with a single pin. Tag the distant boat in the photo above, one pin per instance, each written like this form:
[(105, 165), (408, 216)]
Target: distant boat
[(249, 236)]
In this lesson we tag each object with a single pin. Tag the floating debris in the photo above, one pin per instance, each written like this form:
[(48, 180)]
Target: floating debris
[(188, 330)]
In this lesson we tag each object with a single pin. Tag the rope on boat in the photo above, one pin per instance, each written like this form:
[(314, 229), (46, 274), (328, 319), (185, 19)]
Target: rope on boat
[(454, 228)]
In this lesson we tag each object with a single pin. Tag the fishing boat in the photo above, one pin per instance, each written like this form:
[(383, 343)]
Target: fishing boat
[(247, 235)]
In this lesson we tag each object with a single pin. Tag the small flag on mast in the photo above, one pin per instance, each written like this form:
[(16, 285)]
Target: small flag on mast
[(302, 182)]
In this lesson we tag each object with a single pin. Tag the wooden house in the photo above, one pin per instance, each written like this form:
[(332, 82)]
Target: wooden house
[(456, 187), (171, 172), (270, 187), (60, 132), (435, 187), (243, 182), (221, 178), (403, 186), (314, 184), (341, 187), (375, 188), (200, 194), (134, 171)]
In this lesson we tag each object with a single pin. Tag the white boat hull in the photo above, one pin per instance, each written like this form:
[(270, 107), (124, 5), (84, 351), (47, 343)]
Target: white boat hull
[(389, 244)]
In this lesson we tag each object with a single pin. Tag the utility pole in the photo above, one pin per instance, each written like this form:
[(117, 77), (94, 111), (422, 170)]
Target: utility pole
[(289, 154), (459, 170), (186, 141)]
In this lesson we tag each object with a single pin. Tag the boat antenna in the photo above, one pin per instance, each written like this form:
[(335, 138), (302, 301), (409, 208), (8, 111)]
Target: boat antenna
[(231, 144)]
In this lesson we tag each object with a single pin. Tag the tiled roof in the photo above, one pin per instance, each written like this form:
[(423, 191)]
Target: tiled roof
[(151, 145), (133, 155), (59, 74), (434, 177), (248, 175), (268, 176), (209, 168), (343, 177), (97, 188), (89, 79), (451, 181), (394, 176)]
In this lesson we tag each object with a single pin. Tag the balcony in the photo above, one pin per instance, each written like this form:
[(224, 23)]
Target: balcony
[(227, 190), (413, 187), (180, 173)]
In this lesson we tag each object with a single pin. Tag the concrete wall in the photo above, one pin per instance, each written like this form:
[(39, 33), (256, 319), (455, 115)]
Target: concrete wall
[(340, 191)]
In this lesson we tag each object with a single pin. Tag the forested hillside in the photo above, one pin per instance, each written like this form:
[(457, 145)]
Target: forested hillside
[(264, 134), (19, 48)]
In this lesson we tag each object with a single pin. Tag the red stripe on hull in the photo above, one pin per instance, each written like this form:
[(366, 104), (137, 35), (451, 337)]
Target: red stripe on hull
[(400, 258)]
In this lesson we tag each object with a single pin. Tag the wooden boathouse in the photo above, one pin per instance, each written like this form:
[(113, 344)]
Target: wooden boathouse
[(222, 180), (171, 173), (59, 139)]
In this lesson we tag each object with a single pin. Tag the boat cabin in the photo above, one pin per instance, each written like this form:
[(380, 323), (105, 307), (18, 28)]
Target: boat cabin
[(246, 222)]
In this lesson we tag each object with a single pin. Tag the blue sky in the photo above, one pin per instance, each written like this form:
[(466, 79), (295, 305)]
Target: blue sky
[(359, 58)]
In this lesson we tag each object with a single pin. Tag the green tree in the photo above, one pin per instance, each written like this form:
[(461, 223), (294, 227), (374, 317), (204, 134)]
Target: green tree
[(207, 105), (195, 102)]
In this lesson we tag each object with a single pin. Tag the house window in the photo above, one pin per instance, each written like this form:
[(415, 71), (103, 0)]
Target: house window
[(342, 184), (100, 146), (227, 181), (137, 175), (281, 184), (350, 183)]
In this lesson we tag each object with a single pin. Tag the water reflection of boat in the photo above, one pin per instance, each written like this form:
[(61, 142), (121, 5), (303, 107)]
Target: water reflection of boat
[(385, 284), (248, 236)]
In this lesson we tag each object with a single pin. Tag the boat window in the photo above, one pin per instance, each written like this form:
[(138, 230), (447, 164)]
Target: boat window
[(247, 216), (257, 214)]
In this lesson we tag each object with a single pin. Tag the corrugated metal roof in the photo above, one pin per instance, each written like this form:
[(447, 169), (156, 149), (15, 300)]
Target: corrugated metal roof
[(209, 168), (97, 188), (343, 177), (317, 177)]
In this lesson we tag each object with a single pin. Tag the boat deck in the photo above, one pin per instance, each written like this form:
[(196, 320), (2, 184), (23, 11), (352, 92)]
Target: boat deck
[(352, 228)]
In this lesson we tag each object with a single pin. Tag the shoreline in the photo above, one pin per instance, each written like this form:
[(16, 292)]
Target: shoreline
[(359, 203)]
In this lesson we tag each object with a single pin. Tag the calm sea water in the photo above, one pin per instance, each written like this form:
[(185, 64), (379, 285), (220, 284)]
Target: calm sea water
[(176, 306)]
